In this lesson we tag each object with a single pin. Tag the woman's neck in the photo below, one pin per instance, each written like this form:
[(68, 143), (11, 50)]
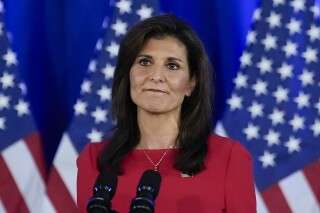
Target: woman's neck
[(157, 131)]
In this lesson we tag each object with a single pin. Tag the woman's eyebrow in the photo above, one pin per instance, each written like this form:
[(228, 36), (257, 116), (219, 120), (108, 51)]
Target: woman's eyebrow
[(170, 58), (144, 55), (175, 59)]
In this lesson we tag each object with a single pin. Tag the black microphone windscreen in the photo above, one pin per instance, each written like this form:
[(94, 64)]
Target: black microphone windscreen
[(106, 179), (151, 178)]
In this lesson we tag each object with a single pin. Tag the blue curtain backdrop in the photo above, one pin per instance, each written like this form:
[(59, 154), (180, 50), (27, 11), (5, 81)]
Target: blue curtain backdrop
[(55, 40)]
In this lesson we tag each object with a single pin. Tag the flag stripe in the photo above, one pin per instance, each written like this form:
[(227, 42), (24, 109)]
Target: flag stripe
[(23, 177), (275, 201), (35, 147), (312, 173), (293, 187), (47, 206), (9, 192), (59, 194), (65, 164), (2, 207), (261, 206)]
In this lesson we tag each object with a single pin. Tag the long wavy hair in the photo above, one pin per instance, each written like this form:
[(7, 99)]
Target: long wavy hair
[(195, 121)]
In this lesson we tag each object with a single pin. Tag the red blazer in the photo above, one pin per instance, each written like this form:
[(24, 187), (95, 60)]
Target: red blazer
[(226, 184)]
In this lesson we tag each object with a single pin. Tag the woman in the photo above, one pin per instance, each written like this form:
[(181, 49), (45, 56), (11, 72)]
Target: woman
[(161, 100)]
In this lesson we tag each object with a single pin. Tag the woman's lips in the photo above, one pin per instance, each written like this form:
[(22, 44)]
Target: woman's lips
[(155, 90)]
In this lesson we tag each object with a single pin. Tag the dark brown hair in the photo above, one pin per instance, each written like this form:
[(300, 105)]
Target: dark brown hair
[(195, 125)]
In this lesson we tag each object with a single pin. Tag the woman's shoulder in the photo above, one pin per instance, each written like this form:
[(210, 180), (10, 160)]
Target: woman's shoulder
[(92, 150), (219, 140), (96, 146), (219, 143)]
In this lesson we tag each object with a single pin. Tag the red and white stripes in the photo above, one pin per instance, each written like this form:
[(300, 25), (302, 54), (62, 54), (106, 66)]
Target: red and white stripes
[(22, 176), (63, 177)]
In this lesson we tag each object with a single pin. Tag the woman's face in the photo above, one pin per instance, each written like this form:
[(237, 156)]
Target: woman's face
[(159, 76)]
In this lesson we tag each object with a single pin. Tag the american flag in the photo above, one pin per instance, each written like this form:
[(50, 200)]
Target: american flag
[(92, 121), (274, 109), (22, 185)]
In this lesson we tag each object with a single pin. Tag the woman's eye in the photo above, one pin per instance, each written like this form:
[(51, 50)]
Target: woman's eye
[(144, 62), (173, 66)]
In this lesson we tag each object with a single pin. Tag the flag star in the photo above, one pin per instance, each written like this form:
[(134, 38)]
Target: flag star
[(274, 20), (235, 102), (290, 49), (272, 138), (310, 55), (294, 26), (10, 57), (124, 6), (315, 127), (267, 159), (314, 32), (99, 115), (317, 106), (265, 65), (113, 49), (298, 5), (260, 87), (119, 27), (86, 86), (302, 100), (4, 101), (241, 80), (257, 14), (281, 94), (269, 42), (251, 37), (23, 88), (105, 23), (95, 136), (80, 108), (245, 59), (9, 35), (256, 109), (315, 10), (297, 122), (7, 80), (1, 7), (251, 131), (285, 71), (2, 123), (145, 12), (108, 71), (1, 28), (277, 117), (99, 44), (93, 66), (22, 108), (104, 93), (293, 144), (306, 77), (278, 2)]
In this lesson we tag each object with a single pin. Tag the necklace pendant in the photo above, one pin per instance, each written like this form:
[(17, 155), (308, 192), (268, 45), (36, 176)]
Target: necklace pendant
[(157, 164)]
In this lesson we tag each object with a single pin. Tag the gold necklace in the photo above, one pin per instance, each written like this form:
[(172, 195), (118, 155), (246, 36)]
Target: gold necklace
[(151, 161)]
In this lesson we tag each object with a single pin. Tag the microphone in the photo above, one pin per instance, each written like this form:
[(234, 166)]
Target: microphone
[(103, 192), (147, 192)]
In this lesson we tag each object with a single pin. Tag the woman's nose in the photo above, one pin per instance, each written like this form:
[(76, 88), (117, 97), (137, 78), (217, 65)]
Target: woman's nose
[(157, 74)]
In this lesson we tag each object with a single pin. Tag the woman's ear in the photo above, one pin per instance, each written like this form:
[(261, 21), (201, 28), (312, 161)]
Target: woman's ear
[(192, 85)]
